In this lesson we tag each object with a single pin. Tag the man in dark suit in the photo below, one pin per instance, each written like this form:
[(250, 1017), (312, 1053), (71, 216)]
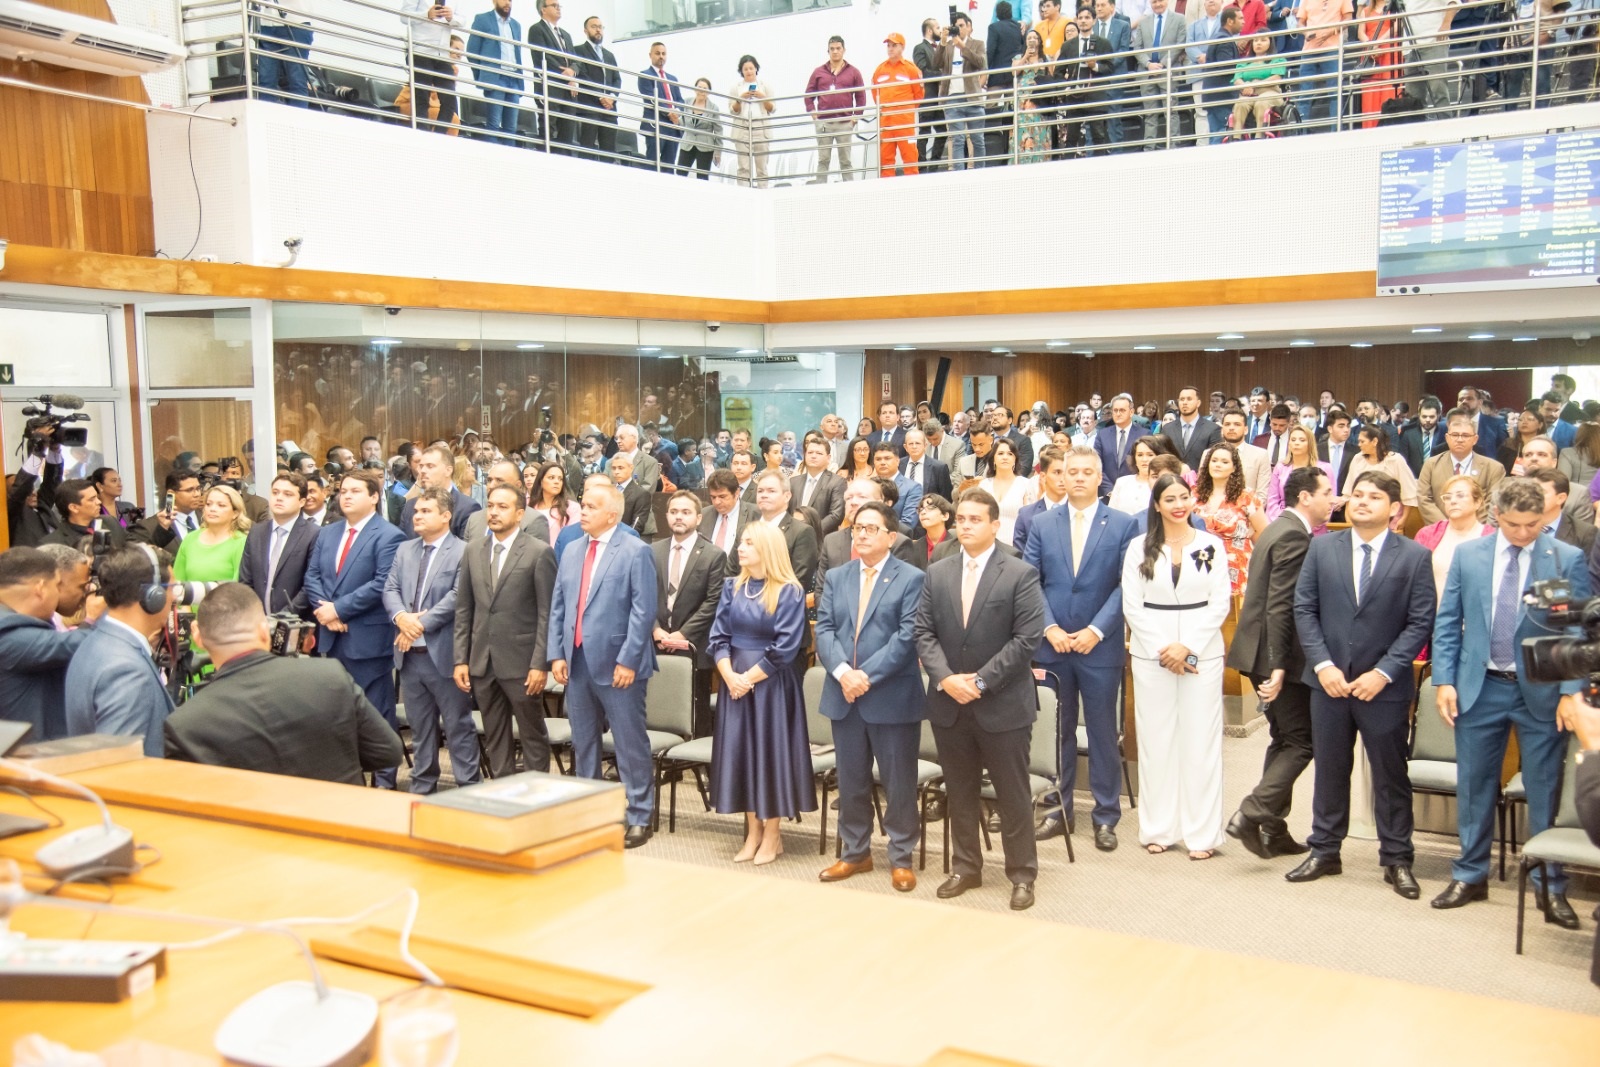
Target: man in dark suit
[(866, 641), (689, 575), (979, 622), (1190, 434), (420, 597), (435, 466), (1080, 68), (167, 528), (773, 505), (1114, 443), (814, 486), (1266, 650), (1053, 483), (34, 655), (1491, 428), (551, 51), (1558, 521), (534, 522), (1078, 550), (1484, 691), (1363, 610), (275, 714), (1000, 423), (1337, 450), (1221, 55), (838, 548), (503, 596), (922, 468), (601, 88), (638, 503), (1276, 440), (345, 577), (1424, 438), (724, 522), (661, 121), (930, 117), (602, 617), (889, 431), (1117, 31), (277, 552)]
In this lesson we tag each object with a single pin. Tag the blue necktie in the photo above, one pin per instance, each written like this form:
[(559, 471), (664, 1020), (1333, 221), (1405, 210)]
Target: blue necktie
[(1366, 571), (1504, 629), (1157, 40)]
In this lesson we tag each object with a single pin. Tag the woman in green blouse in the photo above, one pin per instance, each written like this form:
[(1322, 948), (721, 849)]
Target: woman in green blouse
[(212, 553), (1258, 76)]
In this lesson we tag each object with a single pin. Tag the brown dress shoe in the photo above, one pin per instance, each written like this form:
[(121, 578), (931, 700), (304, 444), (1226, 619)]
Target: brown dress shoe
[(844, 869), (904, 879)]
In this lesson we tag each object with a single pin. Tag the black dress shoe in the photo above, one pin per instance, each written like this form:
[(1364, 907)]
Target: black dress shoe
[(1404, 882), (1284, 845), (1049, 826), (1105, 838), (1315, 867), (636, 836), (1556, 909), (993, 822), (1460, 894), (957, 884), (933, 811), (1248, 832), (1022, 896)]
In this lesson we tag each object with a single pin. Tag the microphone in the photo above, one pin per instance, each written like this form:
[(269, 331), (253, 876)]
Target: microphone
[(62, 400), (78, 851)]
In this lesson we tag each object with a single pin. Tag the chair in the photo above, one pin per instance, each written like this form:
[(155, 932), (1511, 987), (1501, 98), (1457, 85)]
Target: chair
[(668, 718), (1081, 732), (1566, 842), (1432, 766), (930, 782), (819, 731), (1513, 796), (556, 727), (1044, 754), (402, 726)]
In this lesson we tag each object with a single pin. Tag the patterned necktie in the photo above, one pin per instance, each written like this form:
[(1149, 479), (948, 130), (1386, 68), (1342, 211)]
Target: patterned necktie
[(1366, 571), (1503, 632), (674, 575)]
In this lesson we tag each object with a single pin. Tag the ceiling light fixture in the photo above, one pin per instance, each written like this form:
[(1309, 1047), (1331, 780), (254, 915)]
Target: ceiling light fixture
[(1524, 338), (1144, 348), (1230, 337), (527, 345), (905, 348), (1217, 349), (650, 348), (1480, 337), (999, 351), (748, 351), (1301, 343), (1057, 344), (385, 341), (1428, 329), (1360, 344)]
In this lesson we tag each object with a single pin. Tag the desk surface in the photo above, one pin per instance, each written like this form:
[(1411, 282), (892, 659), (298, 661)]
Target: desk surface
[(749, 970)]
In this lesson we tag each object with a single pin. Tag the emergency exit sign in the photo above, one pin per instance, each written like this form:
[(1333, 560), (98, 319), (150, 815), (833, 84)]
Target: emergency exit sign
[(8, 374), (888, 393)]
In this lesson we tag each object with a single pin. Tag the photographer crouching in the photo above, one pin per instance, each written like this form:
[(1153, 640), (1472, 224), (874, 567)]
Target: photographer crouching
[(275, 714)]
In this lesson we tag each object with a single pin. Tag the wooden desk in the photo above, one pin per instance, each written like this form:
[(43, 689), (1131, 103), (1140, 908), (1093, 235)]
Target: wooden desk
[(744, 969)]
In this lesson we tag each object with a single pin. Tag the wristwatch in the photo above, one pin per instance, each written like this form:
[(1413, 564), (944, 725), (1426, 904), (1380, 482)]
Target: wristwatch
[(977, 680)]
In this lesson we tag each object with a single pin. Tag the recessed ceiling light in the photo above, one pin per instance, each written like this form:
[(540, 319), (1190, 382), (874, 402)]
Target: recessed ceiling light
[(650, 348), (1428, 329), (1230, 337), (526, 345), (1360, 344), (385, 341), (1480, 337), (1301, 343), (666, 355), (824, 353), (1057, 344), (1144, 348), (1218, 349), (999, 351), (748, 351), (905, 348), (1524, 338)]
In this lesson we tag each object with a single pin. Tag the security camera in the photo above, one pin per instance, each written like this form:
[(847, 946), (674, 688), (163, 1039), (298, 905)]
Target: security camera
[(1581, 338), (713, 326), (392, 311)]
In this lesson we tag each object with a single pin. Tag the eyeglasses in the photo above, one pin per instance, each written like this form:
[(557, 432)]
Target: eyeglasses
[(869, 531), (1461, 436)]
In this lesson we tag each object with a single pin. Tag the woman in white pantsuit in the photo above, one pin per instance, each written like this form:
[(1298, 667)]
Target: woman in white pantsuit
[(1175, 596)]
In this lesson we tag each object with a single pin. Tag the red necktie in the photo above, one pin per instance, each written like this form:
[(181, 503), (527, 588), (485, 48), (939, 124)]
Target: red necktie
[(583, 590), (344, 551)]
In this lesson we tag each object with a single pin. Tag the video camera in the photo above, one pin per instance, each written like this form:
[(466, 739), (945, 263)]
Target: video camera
[(47, 425), (1560, 659)]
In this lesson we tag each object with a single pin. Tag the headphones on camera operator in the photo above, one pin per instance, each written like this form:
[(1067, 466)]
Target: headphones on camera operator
[(153, 595)]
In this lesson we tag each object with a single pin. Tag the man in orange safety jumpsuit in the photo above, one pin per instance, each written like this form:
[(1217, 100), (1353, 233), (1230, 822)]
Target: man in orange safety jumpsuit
[(896, 88)]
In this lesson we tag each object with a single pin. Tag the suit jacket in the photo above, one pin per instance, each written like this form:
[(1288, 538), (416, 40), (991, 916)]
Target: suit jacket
[(646, 471), (905, 508), (113, 688), (949, 448), (1257, 472), (1085, 72), (1090, 596), (1112, 466), (301, 717), (1223, 49), (501, 628), (596, 80), (1461, 630), (1410, 447), (897, 438), (925, 56), (1169, 50), (487, 72), (804, 550), (1389, 627), (997, 641), (73, 536), (827, 499), (536, 523), (1440, 469), (950, 546), (884, 645), (1118, 33), (638, 508), (967, 466), (34, 657), (1264, 442), (1205, 434), (619, 616), (1265, 640), (462, 508), (356, 591), (837, 548), (1026, 517), (438, 607), (935, 476), (699, 589), (1351, 451), (744, 515), (1579, 533), (287, 592), (662, 92), (1492, 433), (557, 54)]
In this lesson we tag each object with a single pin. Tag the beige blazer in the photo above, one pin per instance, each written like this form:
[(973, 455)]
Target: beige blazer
[(1257, 472), (1440, 469)]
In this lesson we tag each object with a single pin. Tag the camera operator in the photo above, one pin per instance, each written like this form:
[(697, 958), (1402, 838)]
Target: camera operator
[(113, 686), (179, 515), (73, 568), (30, 501), (33, 654), (79, 503), (278, 715)]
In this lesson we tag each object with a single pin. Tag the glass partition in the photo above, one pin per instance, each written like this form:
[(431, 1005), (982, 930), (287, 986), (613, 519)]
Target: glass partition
[(640, 18), (189, 433), (198, 348)]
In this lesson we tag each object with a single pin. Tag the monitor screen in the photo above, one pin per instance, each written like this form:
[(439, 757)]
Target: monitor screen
[(1515, 213)]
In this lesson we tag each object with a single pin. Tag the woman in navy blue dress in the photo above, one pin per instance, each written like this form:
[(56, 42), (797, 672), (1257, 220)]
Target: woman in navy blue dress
[(761, 762)]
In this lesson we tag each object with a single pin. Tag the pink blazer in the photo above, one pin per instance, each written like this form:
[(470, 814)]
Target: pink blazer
[(1430, 536)]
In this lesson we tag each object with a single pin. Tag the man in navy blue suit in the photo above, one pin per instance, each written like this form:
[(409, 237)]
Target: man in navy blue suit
[(1491, 429), (1483, 692), (435, 465), (112, 684), (1078, 549), (1363, 609), (1114, 444), (601, 647), (494, 66), (345, 579), (866, 641), (662, 120)]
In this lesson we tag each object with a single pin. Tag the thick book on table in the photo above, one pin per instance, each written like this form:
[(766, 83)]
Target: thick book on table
[(67, 755), (521, 811)]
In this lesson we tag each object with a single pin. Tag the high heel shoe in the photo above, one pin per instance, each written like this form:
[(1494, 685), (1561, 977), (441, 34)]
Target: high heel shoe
[(748, 852), (764, 859)]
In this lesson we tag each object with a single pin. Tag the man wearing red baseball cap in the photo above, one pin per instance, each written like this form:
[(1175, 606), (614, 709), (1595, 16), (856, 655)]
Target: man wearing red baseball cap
[(896, 88)]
